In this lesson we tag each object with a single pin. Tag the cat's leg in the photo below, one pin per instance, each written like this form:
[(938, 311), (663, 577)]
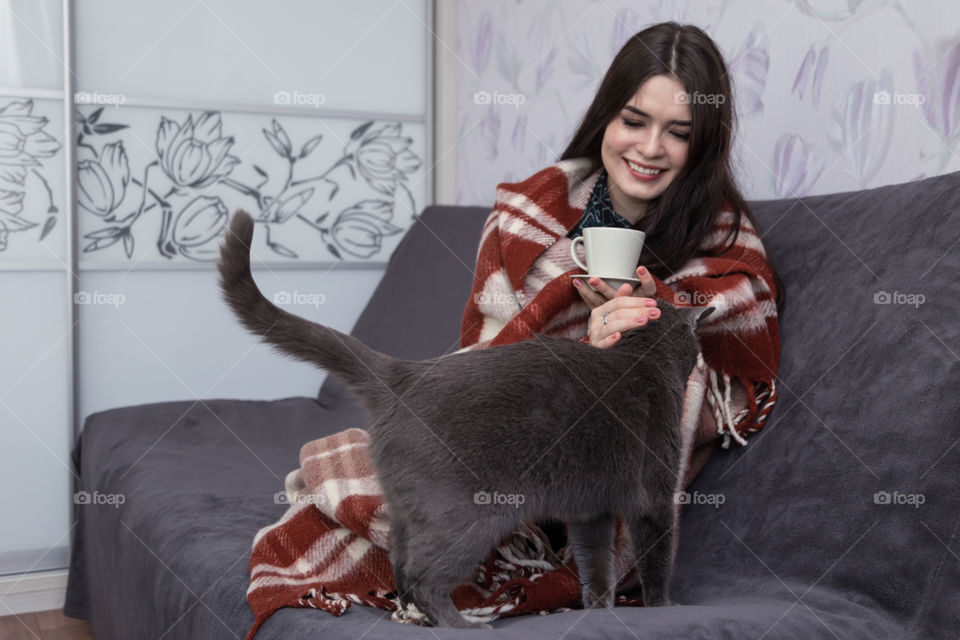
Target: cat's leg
[(439, 559), (653, 534), (398, 558), (592, 544)]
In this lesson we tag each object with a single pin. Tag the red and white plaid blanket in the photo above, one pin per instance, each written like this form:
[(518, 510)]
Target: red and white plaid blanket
[(522, 287), (330, 548)]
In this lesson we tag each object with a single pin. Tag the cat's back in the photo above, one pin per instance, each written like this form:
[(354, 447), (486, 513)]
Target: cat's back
[(525, 397)]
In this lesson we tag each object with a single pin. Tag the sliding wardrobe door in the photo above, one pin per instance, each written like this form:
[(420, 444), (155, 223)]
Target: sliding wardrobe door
[(35, 417)]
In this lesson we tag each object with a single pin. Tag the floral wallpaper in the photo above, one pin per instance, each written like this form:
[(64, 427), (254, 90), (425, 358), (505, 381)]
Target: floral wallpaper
[(163, 185), (832, 95)]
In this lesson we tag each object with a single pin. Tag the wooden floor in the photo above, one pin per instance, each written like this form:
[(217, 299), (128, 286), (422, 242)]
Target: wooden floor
[(44, 625)]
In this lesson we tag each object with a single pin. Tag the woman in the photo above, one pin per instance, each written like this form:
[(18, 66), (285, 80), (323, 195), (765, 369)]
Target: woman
[(652, 153)]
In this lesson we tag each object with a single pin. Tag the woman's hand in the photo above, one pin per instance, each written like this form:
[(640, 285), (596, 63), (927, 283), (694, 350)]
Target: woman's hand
[(623, 313), (624, 308)]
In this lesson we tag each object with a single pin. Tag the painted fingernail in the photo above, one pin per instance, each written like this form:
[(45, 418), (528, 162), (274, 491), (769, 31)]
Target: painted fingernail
[(641, 320), (651, 303), (654, 313), (642, 270), (577, 283)]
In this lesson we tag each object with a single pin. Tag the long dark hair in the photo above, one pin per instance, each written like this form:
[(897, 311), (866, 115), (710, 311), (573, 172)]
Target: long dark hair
[(677, 221)]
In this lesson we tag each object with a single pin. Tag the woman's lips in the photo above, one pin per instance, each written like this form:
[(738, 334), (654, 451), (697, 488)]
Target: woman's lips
[(642, 176)]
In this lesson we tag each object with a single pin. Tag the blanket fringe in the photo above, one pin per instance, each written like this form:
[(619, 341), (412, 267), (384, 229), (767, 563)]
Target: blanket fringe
[(759, 406), (722, 410)]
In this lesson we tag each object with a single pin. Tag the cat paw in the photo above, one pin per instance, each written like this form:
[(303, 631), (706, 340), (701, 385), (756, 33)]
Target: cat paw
[(658, 602)]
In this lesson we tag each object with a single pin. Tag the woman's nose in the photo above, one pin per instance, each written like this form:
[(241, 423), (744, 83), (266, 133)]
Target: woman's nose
[(650, 146)]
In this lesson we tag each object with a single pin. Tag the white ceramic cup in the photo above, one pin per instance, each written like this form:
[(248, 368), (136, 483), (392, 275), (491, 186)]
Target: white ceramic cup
[(612, 252)]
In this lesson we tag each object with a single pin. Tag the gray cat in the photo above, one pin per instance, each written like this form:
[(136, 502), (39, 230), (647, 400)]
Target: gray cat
[(469, 445)]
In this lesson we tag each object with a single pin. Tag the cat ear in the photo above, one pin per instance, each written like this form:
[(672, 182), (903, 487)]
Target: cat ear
[(696, 315)]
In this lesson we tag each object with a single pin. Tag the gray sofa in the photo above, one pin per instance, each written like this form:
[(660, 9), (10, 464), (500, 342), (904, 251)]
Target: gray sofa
[(836, 518)]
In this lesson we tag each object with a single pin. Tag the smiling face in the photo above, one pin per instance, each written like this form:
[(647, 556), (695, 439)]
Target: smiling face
[(652, 130)]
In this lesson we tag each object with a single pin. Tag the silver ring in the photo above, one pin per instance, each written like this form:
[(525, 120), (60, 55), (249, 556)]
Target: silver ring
[(605, 314)]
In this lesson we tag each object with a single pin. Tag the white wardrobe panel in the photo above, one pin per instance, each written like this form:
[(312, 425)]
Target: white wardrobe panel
[(156, 186), (32, 212), (151, 336), (302, 52), (31, 49), (34, 425)]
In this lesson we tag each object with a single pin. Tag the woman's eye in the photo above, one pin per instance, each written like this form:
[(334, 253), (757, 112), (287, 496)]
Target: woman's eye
[(633, 124)]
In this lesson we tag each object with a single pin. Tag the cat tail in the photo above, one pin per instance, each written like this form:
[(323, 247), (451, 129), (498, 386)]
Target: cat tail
[(363, 369)]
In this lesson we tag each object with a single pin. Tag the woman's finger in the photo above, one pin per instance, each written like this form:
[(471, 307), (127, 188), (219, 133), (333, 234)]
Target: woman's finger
[(625, 290), (647, 286), (592, 298), (609, 341), (628, 319), (633, 301), (603, 288)]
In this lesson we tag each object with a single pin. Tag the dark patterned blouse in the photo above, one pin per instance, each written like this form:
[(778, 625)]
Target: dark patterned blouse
[(599, 210)]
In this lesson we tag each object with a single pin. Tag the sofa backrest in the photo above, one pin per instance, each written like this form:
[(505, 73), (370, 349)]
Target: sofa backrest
[(852, 484), (415, 311)]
